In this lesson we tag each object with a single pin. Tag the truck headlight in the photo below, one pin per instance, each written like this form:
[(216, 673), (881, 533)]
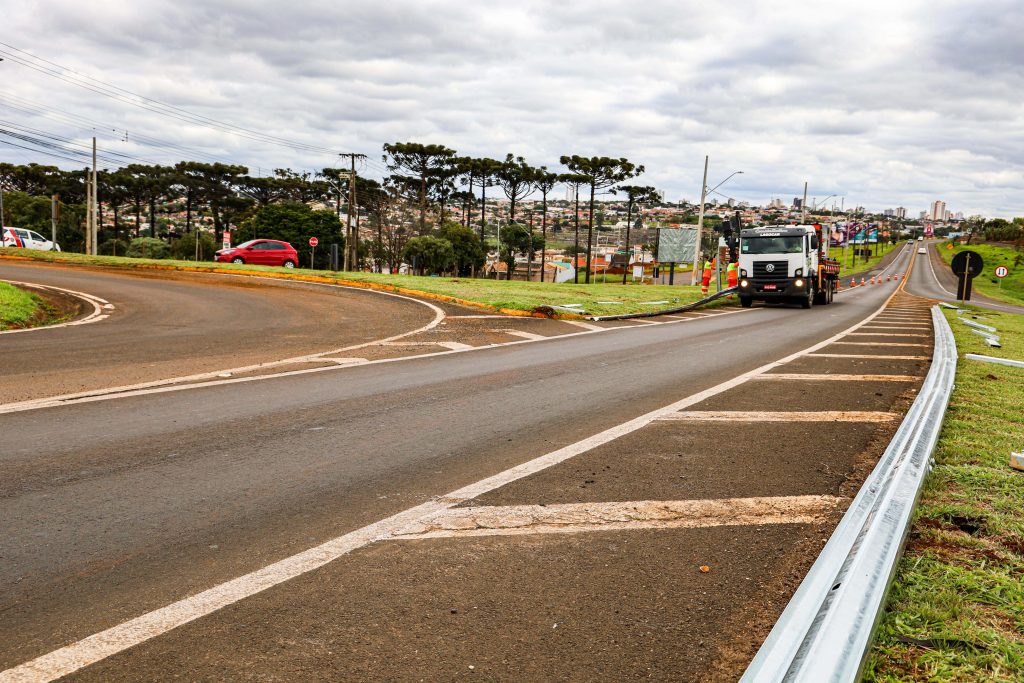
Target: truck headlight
[(744, 283), (799, 283)]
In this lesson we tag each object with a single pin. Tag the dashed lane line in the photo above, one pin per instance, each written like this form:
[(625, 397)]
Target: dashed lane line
[(103, 644), (574, 518)]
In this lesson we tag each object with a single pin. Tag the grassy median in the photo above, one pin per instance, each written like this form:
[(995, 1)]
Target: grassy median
[(1011, 289), (18, 308), (956, 610), (594, 299)]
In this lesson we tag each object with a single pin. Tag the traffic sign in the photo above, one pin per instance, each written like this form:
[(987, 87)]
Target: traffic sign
[(966, 265), (967, 262), (1002, 271), (313, 241)]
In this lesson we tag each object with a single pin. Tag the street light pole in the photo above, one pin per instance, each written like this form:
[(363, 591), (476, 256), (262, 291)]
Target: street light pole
[(700, 222)]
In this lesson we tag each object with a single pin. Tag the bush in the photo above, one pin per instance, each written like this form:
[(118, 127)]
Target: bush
[(148, 247), (184, 248), (114, 248)]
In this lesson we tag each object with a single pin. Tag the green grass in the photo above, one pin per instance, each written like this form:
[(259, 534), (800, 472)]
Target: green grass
[(17, 307), (1011, 290), (515, 295), (956, 609), (859, 264)]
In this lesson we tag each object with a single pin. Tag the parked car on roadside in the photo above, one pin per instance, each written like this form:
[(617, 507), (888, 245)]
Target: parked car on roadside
[(260, 253), (27, 239)]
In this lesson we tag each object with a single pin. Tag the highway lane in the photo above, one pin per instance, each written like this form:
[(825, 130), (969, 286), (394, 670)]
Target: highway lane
[(119, 507), (935, 280), (168, 324)]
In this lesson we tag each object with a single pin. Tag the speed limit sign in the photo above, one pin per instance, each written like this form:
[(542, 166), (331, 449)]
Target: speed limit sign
[(1002, 271)]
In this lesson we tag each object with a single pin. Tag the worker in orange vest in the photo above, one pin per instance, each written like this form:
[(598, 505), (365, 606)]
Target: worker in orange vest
[(709, 267), (732, 275)]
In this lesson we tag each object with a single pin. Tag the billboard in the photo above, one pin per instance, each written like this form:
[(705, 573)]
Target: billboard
[(676, 245)]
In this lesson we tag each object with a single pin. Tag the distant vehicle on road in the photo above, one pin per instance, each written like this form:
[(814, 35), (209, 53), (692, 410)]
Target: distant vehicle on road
[(922, 250), (920, 239), (786, 263), (27, 239), (260, 253)]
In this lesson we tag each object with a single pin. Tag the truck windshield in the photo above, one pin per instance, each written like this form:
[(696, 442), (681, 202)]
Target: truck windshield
[(772, 245)]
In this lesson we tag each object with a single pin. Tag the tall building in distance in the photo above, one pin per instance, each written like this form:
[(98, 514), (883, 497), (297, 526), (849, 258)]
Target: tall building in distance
[(570, 193), (901, 212), (937, 211), (797, 203)]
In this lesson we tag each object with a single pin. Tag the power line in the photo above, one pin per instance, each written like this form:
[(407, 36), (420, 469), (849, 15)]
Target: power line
[(122, 95)]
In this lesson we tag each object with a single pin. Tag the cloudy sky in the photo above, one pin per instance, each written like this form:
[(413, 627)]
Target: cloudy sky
[(882, 103)]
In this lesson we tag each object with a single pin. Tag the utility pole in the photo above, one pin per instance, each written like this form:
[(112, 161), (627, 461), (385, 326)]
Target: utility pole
[(95, 205), (700, 223), (53, 217), (351, 239), (803, 206)]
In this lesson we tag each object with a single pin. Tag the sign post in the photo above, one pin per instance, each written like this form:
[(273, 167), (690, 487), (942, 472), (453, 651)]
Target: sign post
[(312, 243), (227, 239), (1001, 272), (966, 266)]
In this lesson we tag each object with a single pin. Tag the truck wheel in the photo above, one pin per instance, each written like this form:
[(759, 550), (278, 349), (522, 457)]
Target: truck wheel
[(745, 301), (808, 301)]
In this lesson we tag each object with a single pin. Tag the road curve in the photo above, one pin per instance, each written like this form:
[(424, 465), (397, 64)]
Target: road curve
[(168, 324), (937, 281), (119, 507)]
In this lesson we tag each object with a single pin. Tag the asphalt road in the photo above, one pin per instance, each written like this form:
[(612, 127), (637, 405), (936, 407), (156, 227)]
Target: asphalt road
[(167, 324), (118, 507), (936, 281)]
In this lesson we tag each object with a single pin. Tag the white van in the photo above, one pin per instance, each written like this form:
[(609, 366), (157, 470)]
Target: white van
[(27, 239)]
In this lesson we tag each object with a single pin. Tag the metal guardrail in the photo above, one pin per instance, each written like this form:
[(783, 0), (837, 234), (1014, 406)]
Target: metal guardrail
[(667, 311), (826, 630)]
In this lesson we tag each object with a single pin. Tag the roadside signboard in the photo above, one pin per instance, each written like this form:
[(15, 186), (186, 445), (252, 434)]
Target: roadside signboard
[(966, 266), (1002, 271), (313, 241), (676, 245), (227, 240)]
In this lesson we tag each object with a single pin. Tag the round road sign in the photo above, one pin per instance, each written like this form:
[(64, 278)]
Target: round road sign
[(967, 262), (313, 241), (1002, 271)]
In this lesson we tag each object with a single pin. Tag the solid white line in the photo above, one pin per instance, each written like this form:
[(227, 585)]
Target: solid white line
[(886, 334), (97, 303), (96, 647), (865, 355), (935, 277), (881, 344)]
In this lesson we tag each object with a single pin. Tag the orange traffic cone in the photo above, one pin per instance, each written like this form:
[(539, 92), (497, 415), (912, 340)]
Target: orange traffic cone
[(872, 280), (862, 282), (853, 282)]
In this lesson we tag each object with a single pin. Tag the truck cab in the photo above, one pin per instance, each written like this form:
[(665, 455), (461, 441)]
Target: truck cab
[(786, 263)]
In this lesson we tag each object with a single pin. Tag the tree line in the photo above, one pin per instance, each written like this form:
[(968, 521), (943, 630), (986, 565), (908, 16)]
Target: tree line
[(409, 213)]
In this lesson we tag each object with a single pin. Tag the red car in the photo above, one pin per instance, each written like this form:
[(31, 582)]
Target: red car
[(260, 253)]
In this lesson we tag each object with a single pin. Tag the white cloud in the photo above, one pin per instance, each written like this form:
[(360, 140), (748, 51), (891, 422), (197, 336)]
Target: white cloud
[(884, 103)]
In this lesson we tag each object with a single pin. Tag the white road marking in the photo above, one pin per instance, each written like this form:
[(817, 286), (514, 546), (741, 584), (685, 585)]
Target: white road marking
[(211, 379), (876, 356), (103, 644), (882, 344), (95, 316), (573, 518), (935, 277), (586, 326), (455, 346), (896, 326), (773, 416), (886, 334), (521, 333), (806, 377)]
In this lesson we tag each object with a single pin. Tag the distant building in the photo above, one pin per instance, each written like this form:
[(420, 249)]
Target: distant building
[(798, 203), (889, 212), (901, 212), (937, 211), (570, 193)]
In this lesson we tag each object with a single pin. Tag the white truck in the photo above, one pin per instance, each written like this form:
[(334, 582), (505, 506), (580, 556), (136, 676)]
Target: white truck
[(786, 263)]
